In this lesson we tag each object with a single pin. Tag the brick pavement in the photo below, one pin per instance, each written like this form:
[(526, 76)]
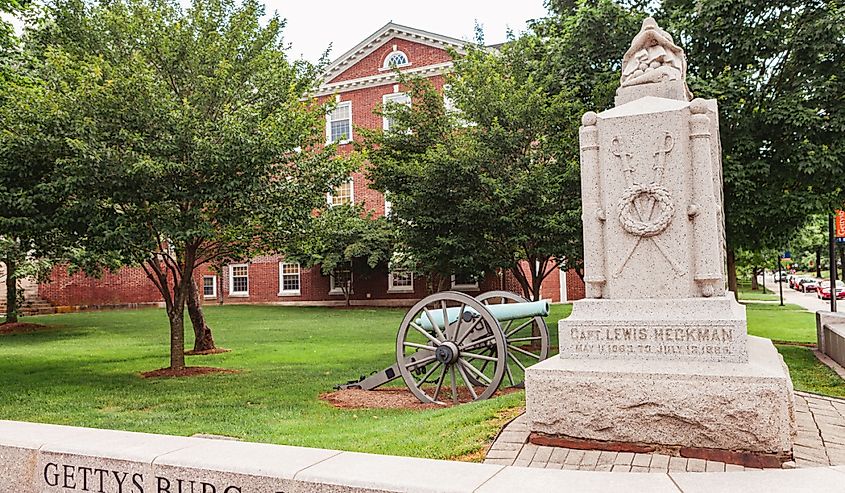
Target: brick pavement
[(820, 442)]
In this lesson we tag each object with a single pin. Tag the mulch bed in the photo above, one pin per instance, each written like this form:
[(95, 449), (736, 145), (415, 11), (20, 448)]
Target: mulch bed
[(217, 350), (21, 328), (392, 398), (190, 371)]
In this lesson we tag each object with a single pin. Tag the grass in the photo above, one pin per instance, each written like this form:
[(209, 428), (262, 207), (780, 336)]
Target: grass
[(744, 292), (792, 324), (788, 323), (85, 373)]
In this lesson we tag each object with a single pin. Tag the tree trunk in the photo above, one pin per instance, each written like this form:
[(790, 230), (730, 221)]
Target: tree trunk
[(203, 340), (177, 336), (731, 261), (818, 262), (522, 279), (11, 291), (754, 286)]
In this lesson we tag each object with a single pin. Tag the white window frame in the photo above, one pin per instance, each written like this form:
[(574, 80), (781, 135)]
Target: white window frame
[(351, 182), (337, 290), (399, 289), (464, 287), (232, 291), (385, 66), (329, 124), (213, 278), (289, 292), (385, 121)]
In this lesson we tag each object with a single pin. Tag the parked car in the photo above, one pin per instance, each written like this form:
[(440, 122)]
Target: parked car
[(823, 291), (807, 285), (779, 277)]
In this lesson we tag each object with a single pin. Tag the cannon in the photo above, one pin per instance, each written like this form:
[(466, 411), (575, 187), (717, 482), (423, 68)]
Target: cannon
[(453, 345)]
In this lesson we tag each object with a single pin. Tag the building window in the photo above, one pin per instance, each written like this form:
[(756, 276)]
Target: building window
[(400, 281), (394, 98), (342, 276), (465, 282), (388, 204), (343, 194), (239, 280), (289, 279), (339, 123), (448, 103), (396, 59), (209, 286)]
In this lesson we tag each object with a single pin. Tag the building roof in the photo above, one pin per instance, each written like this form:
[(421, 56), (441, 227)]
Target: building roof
[(374, 41)]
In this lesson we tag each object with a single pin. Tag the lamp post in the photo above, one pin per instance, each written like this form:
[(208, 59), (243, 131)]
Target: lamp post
[(780, 278)]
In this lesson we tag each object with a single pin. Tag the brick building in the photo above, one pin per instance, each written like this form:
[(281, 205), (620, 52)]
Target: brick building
[(360, 81)]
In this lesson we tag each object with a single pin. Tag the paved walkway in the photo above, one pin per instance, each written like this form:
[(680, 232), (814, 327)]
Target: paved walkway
[(820, 442)]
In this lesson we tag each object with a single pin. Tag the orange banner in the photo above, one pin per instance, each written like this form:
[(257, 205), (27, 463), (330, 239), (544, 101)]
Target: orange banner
[(840, 224)]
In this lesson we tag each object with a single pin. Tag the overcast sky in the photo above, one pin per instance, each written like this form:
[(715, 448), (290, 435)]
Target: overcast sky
[(312, 25)]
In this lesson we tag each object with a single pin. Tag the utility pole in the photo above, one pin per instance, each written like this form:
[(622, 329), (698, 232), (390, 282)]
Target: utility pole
[(832, 241)]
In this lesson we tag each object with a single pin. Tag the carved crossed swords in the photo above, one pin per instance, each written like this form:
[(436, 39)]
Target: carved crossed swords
[(628, 168)]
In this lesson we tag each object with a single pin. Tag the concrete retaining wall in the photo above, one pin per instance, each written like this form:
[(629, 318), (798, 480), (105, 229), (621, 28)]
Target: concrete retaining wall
[(50, 458), (830, 332)]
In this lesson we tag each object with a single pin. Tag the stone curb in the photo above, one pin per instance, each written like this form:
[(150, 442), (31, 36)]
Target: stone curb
[(51, 458)]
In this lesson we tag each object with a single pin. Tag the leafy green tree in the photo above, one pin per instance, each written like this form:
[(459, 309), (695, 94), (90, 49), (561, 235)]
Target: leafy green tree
[(495, 183), (196, 143), (34, 191), (775, 68), (811, 240), (347, 243)]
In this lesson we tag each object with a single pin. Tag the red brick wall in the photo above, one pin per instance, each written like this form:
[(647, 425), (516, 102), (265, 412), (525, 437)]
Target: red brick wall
[(575, 289), (128, 285), (420, 55)]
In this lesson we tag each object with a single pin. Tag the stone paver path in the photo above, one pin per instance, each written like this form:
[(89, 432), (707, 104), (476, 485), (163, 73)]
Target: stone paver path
[(820, 442)]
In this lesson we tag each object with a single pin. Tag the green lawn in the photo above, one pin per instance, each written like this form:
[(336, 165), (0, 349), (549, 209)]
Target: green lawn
[(793, 324), (744, 292), (85, 373)]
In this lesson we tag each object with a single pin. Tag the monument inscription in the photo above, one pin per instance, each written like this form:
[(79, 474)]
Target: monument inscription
[(98, 480)]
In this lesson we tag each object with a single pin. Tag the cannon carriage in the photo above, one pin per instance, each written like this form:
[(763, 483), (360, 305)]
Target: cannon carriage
[(453, 347)]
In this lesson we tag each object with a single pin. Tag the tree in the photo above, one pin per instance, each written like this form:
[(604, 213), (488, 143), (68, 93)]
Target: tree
[(34, 192), (198, 143), (775, 68), (507, 184), (812, 238), (346, 242)]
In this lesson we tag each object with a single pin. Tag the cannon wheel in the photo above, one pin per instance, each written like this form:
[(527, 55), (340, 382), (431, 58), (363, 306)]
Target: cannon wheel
[(527, 339), (448, 354)]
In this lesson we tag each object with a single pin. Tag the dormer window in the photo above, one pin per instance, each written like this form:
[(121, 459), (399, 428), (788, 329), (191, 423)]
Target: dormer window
[(396, 59)]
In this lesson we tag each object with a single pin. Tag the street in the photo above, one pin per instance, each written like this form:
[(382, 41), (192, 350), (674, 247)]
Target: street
[(809, 301)]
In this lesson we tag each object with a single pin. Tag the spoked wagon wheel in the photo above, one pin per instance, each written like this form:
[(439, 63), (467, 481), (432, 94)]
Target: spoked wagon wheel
[(451, 334), (527, 338)]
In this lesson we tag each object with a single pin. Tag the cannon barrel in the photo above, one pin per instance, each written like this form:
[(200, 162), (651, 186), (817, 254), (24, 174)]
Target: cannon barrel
[(501, 312)]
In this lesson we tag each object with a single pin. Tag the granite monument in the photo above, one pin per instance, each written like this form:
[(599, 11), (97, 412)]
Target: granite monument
[(657, 356)]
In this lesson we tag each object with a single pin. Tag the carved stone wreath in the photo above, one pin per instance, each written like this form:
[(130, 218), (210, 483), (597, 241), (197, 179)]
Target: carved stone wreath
[(632, 218)]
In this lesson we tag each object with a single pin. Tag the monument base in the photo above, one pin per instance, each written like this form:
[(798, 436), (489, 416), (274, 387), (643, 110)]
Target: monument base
[(668, 405)]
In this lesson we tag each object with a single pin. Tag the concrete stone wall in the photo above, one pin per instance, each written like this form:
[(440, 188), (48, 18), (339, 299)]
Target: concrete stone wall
[(39, 458), (830, 332)]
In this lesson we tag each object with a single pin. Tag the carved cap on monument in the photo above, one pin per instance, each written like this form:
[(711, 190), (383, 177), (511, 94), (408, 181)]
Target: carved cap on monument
[(653, 66)]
